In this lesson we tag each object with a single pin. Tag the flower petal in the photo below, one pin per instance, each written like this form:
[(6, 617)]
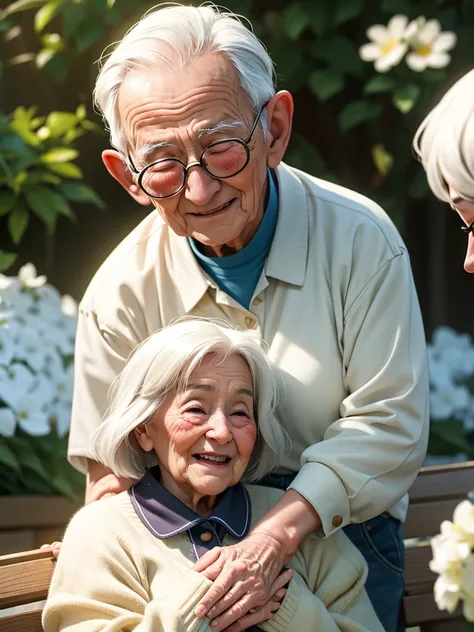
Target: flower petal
[(397, 26), (414, 27), (7, 422), (429, 32), (394, 57), (439, 60), (36, 424), (445, 42), (369, 52), (416, 63), (378, 33)]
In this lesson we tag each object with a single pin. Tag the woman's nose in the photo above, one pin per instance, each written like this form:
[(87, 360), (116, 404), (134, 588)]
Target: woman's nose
[(469, 260), (219, 428)]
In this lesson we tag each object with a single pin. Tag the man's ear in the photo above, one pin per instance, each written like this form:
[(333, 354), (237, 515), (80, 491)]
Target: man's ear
[(280, 117), (117, 168), (143, 438)]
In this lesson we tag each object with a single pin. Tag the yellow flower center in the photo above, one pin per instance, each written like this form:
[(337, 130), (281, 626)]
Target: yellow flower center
[(388, 45), (424, 50)]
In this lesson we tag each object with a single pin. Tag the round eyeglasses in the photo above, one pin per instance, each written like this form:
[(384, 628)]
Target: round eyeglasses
[(222, 159)]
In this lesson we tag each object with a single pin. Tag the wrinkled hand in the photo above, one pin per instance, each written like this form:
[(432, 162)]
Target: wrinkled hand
[(108, 485), (246, 576)]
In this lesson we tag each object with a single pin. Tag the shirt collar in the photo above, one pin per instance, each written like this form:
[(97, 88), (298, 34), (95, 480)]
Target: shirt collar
[(166, 516), (287, 258)]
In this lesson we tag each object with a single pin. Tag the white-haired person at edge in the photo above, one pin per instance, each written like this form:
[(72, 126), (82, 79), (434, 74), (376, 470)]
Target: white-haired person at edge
[(191, 416), (318, 272), (444, 145)]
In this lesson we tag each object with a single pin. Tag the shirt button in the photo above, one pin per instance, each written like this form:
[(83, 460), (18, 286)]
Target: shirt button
[(257, 300), (337, 521), (206, 536), (249, 322)]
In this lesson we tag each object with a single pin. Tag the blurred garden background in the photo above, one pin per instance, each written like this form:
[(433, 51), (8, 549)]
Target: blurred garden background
[(360, 94)]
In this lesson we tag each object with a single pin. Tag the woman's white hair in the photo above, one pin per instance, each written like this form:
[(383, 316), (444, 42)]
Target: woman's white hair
[(444, 142), (187, 32), (163, 364)]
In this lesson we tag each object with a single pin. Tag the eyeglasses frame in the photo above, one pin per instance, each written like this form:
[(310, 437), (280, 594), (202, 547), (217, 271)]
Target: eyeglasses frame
[(465, 229), (198, 163)]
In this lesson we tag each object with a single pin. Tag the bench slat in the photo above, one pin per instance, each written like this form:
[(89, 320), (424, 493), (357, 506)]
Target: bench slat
[(25, 582), (424, 519), (24, 622), (418, 577), (443, 483), (422, 609)]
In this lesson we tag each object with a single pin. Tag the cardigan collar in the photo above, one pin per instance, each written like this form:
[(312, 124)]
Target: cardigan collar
[(166, 516)]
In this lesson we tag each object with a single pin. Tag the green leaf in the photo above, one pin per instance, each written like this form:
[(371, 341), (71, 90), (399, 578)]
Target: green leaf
[(357, 112), (59, 154), (42, 176), (397, 6), (73, 14), (21, 124), (339, 52), (60, 122), (453, 434), (347, 10), (63, 486), (46, 13), (324, 84), (382, 159), (8, 458), (22, 58), (89, 31), (18, 222), (66, 169), (44, 56), (79, 192), (81, 112), (405, 98), (110, 4), (380, 83), (320, 17), (22, 5), (7, 259), (8, 200), (58, 67), (295, 20), (44, 203)]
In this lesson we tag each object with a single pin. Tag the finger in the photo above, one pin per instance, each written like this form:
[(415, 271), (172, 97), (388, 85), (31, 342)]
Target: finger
[(216, 592), (278, 596), (282, 579), (207, 559), (258, 615), (235, 612), (238, 590)]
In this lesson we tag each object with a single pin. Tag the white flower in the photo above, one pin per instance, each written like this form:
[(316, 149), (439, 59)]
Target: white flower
[(30, 349), (61, 414), (28, 277), (448, 400), (32, 412), (68, 306), (463, 518), (448, 551), (430, 47), (446, 594), (446, 337), (7, 345), (15, 382), (387, 45), (7, 422), (440, 377)]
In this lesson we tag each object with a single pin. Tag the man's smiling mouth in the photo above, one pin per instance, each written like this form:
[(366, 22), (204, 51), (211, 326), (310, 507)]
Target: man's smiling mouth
[(215, 211)]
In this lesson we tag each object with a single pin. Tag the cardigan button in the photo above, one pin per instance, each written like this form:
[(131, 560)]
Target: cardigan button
[(337, 521), (206, 536)]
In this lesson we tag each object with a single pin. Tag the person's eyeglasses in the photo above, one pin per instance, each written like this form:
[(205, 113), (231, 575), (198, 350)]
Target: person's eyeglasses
[(465, 229), (222, 159)]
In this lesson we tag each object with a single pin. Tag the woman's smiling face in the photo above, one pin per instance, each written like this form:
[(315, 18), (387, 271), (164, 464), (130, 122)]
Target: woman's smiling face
[(204, 436)]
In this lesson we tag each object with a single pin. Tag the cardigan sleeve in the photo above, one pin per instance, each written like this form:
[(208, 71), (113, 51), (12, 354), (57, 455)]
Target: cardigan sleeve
[(327, 591), (101, 584)]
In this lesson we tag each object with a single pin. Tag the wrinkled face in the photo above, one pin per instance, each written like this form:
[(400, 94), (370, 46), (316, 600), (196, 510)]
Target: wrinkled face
[(465, 210), (177, 113), (204, 437)]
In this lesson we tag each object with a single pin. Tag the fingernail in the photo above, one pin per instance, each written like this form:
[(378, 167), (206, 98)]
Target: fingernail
[(199, 611), (214, 624)]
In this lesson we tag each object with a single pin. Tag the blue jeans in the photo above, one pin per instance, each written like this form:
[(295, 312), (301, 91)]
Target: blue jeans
[(381, 543)]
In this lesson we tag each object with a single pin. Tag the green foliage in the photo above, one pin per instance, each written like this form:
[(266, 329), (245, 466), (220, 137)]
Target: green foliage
[(37, 156), (37, 465)]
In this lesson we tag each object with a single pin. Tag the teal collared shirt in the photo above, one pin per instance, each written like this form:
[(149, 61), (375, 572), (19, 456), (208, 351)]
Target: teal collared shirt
[(238, 274)]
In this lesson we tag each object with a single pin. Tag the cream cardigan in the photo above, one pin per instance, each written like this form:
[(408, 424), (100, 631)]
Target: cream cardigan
[(114, 575)]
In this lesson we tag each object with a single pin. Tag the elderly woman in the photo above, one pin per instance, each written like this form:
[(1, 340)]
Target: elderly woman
[(316, 271), (195, 402), (444, 144)]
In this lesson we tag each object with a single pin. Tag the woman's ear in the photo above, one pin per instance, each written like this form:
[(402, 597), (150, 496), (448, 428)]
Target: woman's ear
[(117, 168), (143, 438), (280, 117)]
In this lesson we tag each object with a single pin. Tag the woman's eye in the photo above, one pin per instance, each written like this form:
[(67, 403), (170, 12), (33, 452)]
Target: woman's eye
[(197, 410), (240, 413)]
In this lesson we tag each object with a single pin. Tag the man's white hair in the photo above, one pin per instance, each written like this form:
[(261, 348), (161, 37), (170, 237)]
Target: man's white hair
[(187, 32), (161, 365), (444, 142)]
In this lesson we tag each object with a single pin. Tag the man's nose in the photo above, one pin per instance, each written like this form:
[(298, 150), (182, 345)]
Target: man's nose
[(469, 260), (200, 186), (219, 428)]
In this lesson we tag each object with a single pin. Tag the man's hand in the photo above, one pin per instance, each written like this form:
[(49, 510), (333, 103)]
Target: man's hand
[(102, 483), (246, 576)]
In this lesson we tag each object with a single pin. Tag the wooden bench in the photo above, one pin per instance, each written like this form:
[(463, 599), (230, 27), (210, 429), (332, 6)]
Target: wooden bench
[(25, 577)]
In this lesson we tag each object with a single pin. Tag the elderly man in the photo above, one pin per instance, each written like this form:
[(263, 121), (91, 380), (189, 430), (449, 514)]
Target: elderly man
[(316, 271)]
